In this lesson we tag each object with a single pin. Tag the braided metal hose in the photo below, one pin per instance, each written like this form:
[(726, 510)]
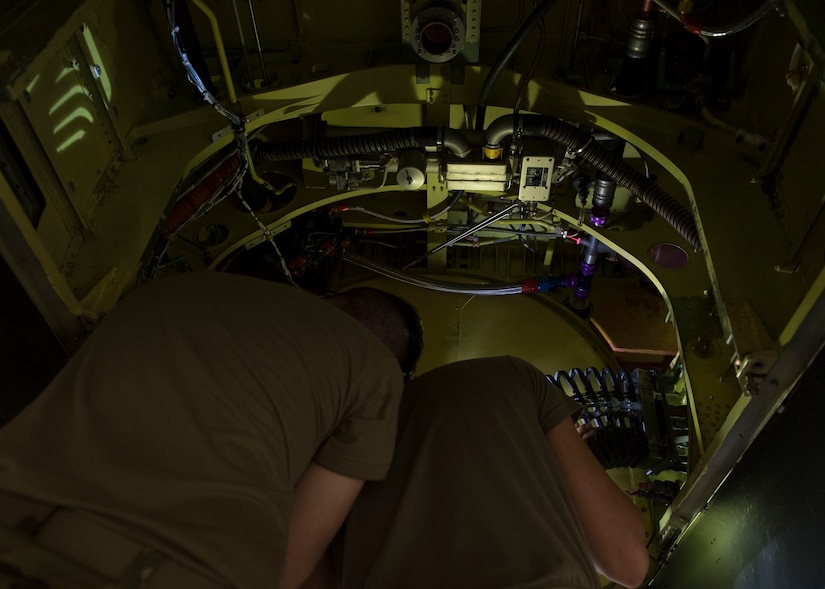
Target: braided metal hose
[(436, 285)]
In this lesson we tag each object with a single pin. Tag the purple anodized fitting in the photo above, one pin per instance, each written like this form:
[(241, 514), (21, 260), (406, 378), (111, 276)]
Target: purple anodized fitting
[(581, 293), (598, 220), (587, 269), (599, 215)]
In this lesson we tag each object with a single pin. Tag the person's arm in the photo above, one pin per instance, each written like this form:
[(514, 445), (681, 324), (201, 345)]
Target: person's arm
[(323, 576), (322, 500), (612, 525)]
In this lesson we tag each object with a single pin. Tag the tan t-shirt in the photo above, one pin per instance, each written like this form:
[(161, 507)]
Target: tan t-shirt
[(194, 408), (474, 497)]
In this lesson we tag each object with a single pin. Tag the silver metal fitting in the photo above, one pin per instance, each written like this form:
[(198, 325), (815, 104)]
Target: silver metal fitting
[(640, 37)]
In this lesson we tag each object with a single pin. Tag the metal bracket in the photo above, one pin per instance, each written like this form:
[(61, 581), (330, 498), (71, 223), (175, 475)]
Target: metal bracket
[(262, 238), (218, 135), (754, 346), (752, 369), (117, 144)]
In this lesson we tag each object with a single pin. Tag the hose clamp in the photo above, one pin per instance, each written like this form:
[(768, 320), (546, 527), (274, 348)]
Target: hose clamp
[(583, 147)]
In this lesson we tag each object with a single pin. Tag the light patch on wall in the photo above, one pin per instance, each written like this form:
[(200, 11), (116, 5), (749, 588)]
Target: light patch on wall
[(73, 91), (370, 100), (33, 84), (64, 72), (78, 113), (74, 138)]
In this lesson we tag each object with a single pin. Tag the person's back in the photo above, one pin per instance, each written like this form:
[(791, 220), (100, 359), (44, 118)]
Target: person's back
[(194, 409), (476, 496)]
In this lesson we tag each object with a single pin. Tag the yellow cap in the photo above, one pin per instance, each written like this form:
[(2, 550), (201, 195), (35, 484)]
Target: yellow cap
[(685, 6), (492, 153)]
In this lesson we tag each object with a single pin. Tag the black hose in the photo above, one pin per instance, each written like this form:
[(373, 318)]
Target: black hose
[(505, 56), (382, 142), (611, 164), (525, 79), (648, 192)]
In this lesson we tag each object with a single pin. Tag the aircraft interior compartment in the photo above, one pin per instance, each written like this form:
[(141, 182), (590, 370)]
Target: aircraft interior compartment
[(625, 193)]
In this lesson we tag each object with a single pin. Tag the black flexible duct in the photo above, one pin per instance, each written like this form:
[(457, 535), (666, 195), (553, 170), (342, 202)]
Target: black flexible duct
[(382, 142), (583, 144), (506, 56)]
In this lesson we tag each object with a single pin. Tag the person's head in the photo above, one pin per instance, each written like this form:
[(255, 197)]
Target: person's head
[(392, 319)]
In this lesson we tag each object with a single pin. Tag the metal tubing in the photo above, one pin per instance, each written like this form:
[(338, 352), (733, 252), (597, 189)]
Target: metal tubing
[(480, 290), (575, 46), (488, 221), (737, 27), (243, 42), (456, 142), (505, 56), (429, 214), (587, 268), (258, 42), (725, 31)]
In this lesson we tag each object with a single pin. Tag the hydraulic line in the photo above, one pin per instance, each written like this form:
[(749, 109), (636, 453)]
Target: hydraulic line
[(505, 56), (244, 52), (258, 43), (668, 9), (574, 49), (587, 268), (531, 221), (429, 215), (731, 29), (528, 286), (526, 78), (381, 142), (742, 135), (488, 221), (612, 165), (737, 27), (367, 231)]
